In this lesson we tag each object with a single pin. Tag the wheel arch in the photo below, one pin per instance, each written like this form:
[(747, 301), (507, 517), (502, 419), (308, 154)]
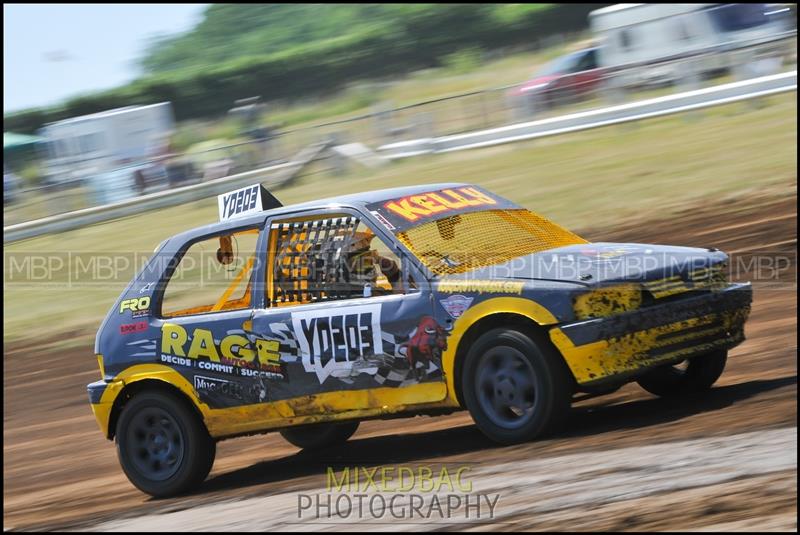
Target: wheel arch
[(138, 383), (525, 314)]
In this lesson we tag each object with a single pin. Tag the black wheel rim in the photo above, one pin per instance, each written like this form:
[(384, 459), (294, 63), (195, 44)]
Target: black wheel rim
[(155, 443), (506, 387)]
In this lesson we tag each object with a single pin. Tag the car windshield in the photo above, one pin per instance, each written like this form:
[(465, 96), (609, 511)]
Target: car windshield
[(560, 65), (467, 241), (734, 17)]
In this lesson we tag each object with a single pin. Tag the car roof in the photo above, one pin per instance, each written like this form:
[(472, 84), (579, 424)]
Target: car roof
[(355, 200)]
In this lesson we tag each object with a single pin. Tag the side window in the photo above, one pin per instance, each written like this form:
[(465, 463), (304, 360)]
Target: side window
[(213, 275), (327, 259), (626, 40), (588, 61)]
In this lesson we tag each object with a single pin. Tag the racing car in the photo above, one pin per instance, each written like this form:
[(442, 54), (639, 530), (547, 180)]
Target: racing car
[(310, 318)]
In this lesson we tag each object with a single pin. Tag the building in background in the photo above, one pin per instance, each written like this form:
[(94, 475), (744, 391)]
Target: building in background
[(653, 35), (88, 148)]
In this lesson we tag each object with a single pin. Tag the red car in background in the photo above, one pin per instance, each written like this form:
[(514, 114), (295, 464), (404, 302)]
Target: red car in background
[(563, 80)]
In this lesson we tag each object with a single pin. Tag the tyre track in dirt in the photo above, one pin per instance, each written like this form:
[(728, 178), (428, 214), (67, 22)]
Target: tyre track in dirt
[(60, 473)]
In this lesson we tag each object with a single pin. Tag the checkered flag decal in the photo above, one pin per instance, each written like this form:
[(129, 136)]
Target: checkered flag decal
[(393, 369), (398, 373), (288, 347)]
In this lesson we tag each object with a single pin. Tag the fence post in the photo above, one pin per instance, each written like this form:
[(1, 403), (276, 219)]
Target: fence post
[(689, 81), (339, 163), (382, 117), (483, 110)]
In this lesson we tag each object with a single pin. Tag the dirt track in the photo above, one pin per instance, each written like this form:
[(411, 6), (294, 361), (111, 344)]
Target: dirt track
[(60, 473)]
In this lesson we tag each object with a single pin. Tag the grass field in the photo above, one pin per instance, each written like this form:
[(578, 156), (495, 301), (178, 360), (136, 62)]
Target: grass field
[(581, 180)]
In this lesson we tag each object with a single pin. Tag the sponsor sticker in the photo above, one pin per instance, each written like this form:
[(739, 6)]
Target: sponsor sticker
[(331, 341), (234, 354), (226, 387), (405, 212), (413, 207), (146, 288), (137, 304), (480, 287), (130, 328), (456, 305), (385, 222)]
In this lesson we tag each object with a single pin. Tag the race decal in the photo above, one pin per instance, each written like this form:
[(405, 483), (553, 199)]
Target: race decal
[(213, 388), (334, 341), (146, 288), (130, 328), (245, 201), (412, 210), (385, 222), (456, 305), (238, 203), (480, 286), (234, 354), (139, 307)]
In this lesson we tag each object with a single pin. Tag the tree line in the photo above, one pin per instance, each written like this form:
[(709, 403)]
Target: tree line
[(289, 51)]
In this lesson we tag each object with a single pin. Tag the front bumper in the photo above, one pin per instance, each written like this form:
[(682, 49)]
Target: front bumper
[(611, 348), (101, 396)]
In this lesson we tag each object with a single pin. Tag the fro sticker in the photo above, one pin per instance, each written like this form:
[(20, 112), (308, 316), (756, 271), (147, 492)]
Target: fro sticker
[(137, 304), (456, 305)]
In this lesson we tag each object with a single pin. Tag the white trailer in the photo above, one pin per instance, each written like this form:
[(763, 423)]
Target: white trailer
[(714, 34), (99, 142)]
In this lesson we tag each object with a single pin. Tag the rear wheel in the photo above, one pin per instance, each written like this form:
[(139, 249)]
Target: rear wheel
[(319, 436), (515, 388), (686, 377), (162, 444)]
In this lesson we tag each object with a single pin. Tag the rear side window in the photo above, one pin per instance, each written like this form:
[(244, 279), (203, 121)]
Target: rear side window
[(625, 39), (213, 275)]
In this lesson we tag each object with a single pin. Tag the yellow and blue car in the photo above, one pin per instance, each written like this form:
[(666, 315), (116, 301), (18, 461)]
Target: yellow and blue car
[(307, 319)]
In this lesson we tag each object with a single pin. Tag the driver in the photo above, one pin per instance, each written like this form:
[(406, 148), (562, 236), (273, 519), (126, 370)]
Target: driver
[(361, 262)]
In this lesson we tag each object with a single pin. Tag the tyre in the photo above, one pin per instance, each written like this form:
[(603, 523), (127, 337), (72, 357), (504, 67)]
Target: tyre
[(162, 444), (319, 436), (515, 386), (687, 377)]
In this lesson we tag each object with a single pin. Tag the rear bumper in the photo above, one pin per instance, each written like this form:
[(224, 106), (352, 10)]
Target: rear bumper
[(603, 349)]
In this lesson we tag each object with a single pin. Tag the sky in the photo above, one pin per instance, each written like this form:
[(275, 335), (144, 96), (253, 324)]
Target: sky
[(53, 52)]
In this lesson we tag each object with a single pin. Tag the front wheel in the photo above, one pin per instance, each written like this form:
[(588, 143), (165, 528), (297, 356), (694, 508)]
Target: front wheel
[(515, 386), (319, 436), (162, 445), (686, 377)]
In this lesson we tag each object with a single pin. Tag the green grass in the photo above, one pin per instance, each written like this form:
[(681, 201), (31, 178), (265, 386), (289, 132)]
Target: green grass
[(581, 180)]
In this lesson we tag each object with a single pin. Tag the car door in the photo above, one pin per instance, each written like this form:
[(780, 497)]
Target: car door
[(343, 340), (203, 313), (585, 76)]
